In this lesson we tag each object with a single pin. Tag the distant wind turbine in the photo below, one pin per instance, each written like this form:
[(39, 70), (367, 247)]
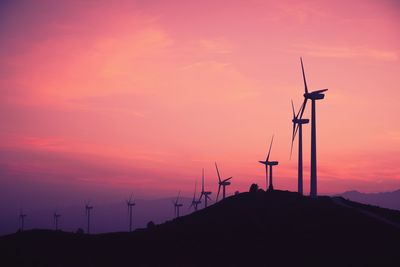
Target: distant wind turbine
[(88, 209), (270, 164), (177, 205), (299, 123), (195, 202), (203, 192), (22, 220), (130, 203), (313, 96), (55, 217), (222, 183)]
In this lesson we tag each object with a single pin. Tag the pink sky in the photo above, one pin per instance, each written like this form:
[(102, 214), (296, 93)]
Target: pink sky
[(102, 98)]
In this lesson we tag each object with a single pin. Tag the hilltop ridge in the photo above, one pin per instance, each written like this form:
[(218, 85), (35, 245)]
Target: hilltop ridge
[(261, 228)]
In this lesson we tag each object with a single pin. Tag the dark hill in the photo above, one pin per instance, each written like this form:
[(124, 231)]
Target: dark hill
[(250, 229)]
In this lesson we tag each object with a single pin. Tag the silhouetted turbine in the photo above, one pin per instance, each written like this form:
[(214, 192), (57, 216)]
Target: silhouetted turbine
[(270, 164), (130, 203), (298, 122), (177, 205), (88, 209), (22, 220), (195, 202), (55, 217), (203, 192), (222, 183), (313, 96)]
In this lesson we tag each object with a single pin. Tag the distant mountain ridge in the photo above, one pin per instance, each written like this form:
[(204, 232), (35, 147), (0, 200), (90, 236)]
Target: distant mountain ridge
[(389, 200)]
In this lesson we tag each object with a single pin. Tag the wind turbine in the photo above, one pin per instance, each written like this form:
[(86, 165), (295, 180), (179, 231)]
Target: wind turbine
[(195, 202), (299, 123), (203, 192), (177, 205), (88, 209), (222, 183), (22, 219), (56, 216), (130, 203), (270, 164), (313, 96)]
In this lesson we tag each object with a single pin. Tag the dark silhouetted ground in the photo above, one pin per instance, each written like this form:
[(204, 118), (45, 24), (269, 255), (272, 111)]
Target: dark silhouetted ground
[(250, 229)]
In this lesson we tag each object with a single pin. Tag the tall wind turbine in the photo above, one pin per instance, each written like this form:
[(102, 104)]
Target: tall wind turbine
[(130, 203), (195, 202), (22, 219), (222, 183), (88, 209), (269, 164), (55, 217), (203, 192), (313, 96), (299, 123), (177, 205)]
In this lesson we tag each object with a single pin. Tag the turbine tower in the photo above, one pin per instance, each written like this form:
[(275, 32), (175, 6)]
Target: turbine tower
[(88, 209), (177, 206), (130, 203), (195, 202), (299, 123), (222, 183), (269, 164), (313, 96), (203, 192), (55, 217), (22, 220)]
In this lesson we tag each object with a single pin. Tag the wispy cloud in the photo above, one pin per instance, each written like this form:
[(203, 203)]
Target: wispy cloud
[(347, 52)]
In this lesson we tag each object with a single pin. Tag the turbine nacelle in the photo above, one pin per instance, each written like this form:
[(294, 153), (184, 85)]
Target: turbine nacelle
[(316, 95), (300, 121), (273, 163), (131, 201)]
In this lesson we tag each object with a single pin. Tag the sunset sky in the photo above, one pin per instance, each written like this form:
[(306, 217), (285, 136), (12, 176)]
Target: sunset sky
[(103, 98)]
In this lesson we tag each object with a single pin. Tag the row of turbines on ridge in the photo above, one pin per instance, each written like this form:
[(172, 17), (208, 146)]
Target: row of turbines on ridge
[(298, 122)]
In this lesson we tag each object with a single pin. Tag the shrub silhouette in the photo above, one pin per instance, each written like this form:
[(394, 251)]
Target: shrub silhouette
[(253, 188), (80, 231), (150, 225)]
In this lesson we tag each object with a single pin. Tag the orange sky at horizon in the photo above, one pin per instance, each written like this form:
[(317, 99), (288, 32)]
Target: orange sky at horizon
[(139, 94)]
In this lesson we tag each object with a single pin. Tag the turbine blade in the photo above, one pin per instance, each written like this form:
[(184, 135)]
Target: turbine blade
[(219, 189), (270, 146), (227, 179), (293, 136), (302, 108), (294, 114), (219, 177), (304, 76), (320, 91)]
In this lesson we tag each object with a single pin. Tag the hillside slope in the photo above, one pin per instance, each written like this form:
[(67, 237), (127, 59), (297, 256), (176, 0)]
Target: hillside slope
[(261, 229)]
